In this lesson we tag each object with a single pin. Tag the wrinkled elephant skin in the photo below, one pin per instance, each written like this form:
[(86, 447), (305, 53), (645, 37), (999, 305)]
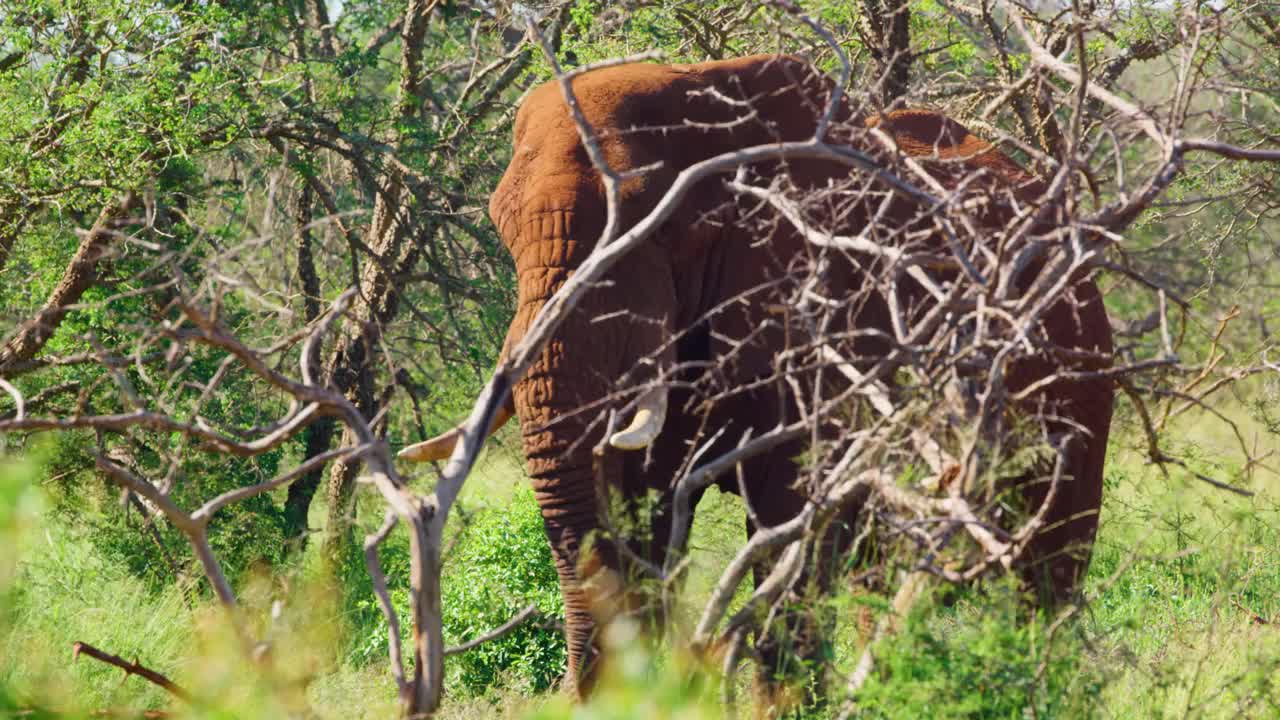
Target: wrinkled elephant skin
[(550, 211)]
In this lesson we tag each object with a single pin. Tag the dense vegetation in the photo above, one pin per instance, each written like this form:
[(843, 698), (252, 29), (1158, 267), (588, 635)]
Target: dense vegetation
[(264, 157)]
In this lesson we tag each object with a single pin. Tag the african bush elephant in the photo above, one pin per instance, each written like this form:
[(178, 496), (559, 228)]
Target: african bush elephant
[(694, 301)]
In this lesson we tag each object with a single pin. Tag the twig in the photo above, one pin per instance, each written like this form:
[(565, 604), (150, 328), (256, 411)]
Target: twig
[(20, 405), (1254, 617), (379, 579), (530, 611), (130, 668)]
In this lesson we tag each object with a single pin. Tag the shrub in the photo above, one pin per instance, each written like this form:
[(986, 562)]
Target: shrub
[(499, 564), (982, 657)]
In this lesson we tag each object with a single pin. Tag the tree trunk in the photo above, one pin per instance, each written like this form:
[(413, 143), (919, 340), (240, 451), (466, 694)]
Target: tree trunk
[(889, 25), (80, 275), (318, 436)]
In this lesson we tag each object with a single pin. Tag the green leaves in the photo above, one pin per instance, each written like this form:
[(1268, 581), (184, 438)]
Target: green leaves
[(980, 656), (499, 564), (502, 565)]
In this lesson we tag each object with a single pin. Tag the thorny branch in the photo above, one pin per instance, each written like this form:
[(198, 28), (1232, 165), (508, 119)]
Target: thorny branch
[(130, 668)]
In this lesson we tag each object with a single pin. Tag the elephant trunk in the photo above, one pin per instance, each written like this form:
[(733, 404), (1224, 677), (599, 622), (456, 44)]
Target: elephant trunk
[(563, 393), (569, 514), (558, 445)]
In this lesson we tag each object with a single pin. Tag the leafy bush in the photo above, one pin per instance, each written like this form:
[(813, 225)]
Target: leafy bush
[(499, 564), (243, 535), (983, 657), (503, 565)]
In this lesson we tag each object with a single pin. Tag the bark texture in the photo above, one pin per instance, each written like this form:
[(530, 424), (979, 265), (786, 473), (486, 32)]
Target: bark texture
[(80, 275)]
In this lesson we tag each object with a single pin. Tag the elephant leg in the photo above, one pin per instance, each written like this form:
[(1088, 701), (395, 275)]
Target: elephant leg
[(791, 647), (1059, 553)]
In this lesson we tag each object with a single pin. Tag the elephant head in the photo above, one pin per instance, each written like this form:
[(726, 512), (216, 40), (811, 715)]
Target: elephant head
[(550, 211)]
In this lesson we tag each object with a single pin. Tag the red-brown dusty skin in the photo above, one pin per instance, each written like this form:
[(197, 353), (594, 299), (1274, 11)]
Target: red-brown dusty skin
[(549, 208)]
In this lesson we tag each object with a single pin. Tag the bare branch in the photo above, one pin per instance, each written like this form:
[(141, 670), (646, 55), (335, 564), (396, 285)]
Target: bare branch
[(530, 611), (130, 668)]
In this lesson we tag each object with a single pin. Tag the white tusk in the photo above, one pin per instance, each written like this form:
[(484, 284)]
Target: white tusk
[(647, 423), (441, 446)]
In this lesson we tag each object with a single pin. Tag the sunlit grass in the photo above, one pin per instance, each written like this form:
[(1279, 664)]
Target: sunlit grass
[(1189, 629)]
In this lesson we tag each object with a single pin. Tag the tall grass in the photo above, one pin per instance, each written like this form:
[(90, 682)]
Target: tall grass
[(1188, 626), (1184, 589)]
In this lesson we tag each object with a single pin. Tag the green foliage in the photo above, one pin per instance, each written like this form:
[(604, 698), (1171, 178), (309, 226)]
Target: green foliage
[(54, 590), (20, 506), (638, 685), (985, 656), (1165, 635), (128, 91), (64, 589), (243, 535), (1189, 585), (507, 565), (499, 563)]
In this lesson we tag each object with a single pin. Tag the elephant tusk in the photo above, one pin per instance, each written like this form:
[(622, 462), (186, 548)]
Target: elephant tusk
[(646, 424), (441, 446)]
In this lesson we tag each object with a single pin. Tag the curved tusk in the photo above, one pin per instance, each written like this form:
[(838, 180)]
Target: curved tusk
[(441, 446), (651, 412)]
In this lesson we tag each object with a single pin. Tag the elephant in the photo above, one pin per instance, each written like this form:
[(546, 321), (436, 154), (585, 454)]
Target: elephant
[(668, 309)]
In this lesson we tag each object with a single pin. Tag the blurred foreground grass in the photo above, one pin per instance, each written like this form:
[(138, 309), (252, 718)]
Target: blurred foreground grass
[(1185, 620)]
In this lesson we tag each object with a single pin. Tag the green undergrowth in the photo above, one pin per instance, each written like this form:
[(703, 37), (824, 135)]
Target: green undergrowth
[(981, 654), (498, 563), (1182, 618), (1187, 585)]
